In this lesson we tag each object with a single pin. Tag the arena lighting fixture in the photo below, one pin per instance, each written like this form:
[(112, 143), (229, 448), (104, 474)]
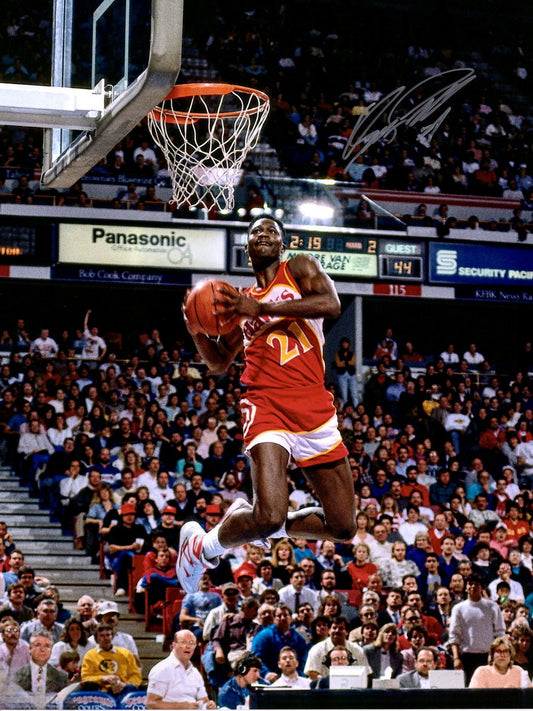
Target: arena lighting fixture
[(316, 211)]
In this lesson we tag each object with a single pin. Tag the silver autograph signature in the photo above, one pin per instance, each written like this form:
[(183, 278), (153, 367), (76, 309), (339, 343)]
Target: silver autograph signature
[(364, 135)]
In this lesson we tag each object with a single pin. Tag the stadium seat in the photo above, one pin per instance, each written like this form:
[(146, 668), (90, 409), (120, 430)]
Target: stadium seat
[(171, 607)]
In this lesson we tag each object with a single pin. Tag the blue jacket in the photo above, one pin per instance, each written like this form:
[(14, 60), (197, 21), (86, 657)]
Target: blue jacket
[(232, 695), (268, 643)]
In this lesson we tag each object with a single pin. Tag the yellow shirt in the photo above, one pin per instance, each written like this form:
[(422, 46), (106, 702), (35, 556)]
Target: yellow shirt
[(119, 661)]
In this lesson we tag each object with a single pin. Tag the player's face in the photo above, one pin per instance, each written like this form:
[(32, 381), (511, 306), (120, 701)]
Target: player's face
[(265, 241)]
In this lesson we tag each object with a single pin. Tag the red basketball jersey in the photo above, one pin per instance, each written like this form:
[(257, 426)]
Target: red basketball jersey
[(282, 352)]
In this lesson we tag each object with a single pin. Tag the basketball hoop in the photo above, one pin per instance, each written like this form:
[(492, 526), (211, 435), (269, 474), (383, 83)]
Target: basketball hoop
[(205, 132)]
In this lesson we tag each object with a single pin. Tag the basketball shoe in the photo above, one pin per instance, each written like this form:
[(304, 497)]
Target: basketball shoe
[(191, 562)]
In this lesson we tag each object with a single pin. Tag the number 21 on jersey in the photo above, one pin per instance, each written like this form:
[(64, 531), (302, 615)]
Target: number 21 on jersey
[(292, 342)]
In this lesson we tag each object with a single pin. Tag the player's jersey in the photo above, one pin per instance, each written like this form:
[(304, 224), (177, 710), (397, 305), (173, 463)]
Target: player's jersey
[(282, 352), (285, 377)]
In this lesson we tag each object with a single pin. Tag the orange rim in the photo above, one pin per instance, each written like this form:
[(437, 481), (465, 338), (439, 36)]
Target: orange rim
[(184, 91)]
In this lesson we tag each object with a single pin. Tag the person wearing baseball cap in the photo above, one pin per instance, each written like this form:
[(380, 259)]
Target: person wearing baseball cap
[(244, 581), (230, 605), (213, 514), (124, 540), (107, 611), (168, 527)]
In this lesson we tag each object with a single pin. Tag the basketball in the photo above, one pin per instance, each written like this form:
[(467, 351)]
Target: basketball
[(202, 311)]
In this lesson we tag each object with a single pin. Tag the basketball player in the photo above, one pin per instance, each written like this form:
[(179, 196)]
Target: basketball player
[(287, 412)]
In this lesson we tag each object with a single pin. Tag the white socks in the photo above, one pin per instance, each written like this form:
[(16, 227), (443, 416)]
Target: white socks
[(212, 547)]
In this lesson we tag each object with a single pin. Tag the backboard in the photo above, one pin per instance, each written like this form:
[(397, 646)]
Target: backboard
[(112, 62)]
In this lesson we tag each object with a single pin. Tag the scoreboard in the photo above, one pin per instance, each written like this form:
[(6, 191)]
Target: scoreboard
[(355, 256)]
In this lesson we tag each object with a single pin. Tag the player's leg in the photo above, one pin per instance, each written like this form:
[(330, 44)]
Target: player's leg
[(242, 523), (268, 511), (335, 519)]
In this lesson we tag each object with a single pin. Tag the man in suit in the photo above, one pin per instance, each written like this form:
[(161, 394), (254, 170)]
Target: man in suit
[(426, 659), (38, 677), (391, 613)]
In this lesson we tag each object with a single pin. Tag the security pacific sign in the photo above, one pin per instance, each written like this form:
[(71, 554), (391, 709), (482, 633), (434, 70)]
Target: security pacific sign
[(142, 245), (480, 264)]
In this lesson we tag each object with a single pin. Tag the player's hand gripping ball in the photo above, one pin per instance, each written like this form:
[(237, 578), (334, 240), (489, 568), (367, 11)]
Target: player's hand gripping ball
[(202, 312)]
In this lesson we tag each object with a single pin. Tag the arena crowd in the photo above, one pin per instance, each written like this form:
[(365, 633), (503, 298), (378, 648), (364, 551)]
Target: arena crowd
[(123, 451)]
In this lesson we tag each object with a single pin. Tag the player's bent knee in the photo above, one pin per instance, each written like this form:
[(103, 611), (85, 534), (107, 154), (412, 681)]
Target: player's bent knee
[(267, 524), (343, 533)]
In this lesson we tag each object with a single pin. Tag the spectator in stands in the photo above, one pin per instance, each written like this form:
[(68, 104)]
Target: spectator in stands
[(427, 658), (296, 592), (383, 653), (14, 652), (74, 637), (175, 680), (130, 195), (232, 637), (500, 670), (235, 692), (196, 606), (393, 570), (107, 611), (102, 503), (35, 449), (15, 607), (158, 578), (524, 181), (268, 643), (32, 590), (315, 665), (23, 193), (85, 609), (480, 514), (345, 369), (265, 577), (45, 620), (288, 666), (474, 625), (516, 591), (39, 677), (124, 539), (114, 669), (94, 346)]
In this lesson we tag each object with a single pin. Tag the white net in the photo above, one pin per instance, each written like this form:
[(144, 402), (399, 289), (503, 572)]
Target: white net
[(205, 132)]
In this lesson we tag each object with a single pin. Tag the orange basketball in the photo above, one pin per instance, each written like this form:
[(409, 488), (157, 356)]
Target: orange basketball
[(203, 313)]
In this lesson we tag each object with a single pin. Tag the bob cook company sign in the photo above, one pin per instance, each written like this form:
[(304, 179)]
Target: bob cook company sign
[(142, 246)]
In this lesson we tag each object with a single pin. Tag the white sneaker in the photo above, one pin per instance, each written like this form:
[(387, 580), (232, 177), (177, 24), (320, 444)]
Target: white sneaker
[(191, 562), (240, 504), (120, 592)]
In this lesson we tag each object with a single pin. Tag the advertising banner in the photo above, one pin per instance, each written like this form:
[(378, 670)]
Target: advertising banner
[(140, 245), (480, 264)]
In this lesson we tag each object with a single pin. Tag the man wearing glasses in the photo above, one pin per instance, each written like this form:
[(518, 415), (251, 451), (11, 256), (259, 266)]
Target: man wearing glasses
[(175, 683), (14, 652)]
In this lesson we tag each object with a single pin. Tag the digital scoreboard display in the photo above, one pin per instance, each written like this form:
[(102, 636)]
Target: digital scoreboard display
[(25, 241), (351, 256)]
